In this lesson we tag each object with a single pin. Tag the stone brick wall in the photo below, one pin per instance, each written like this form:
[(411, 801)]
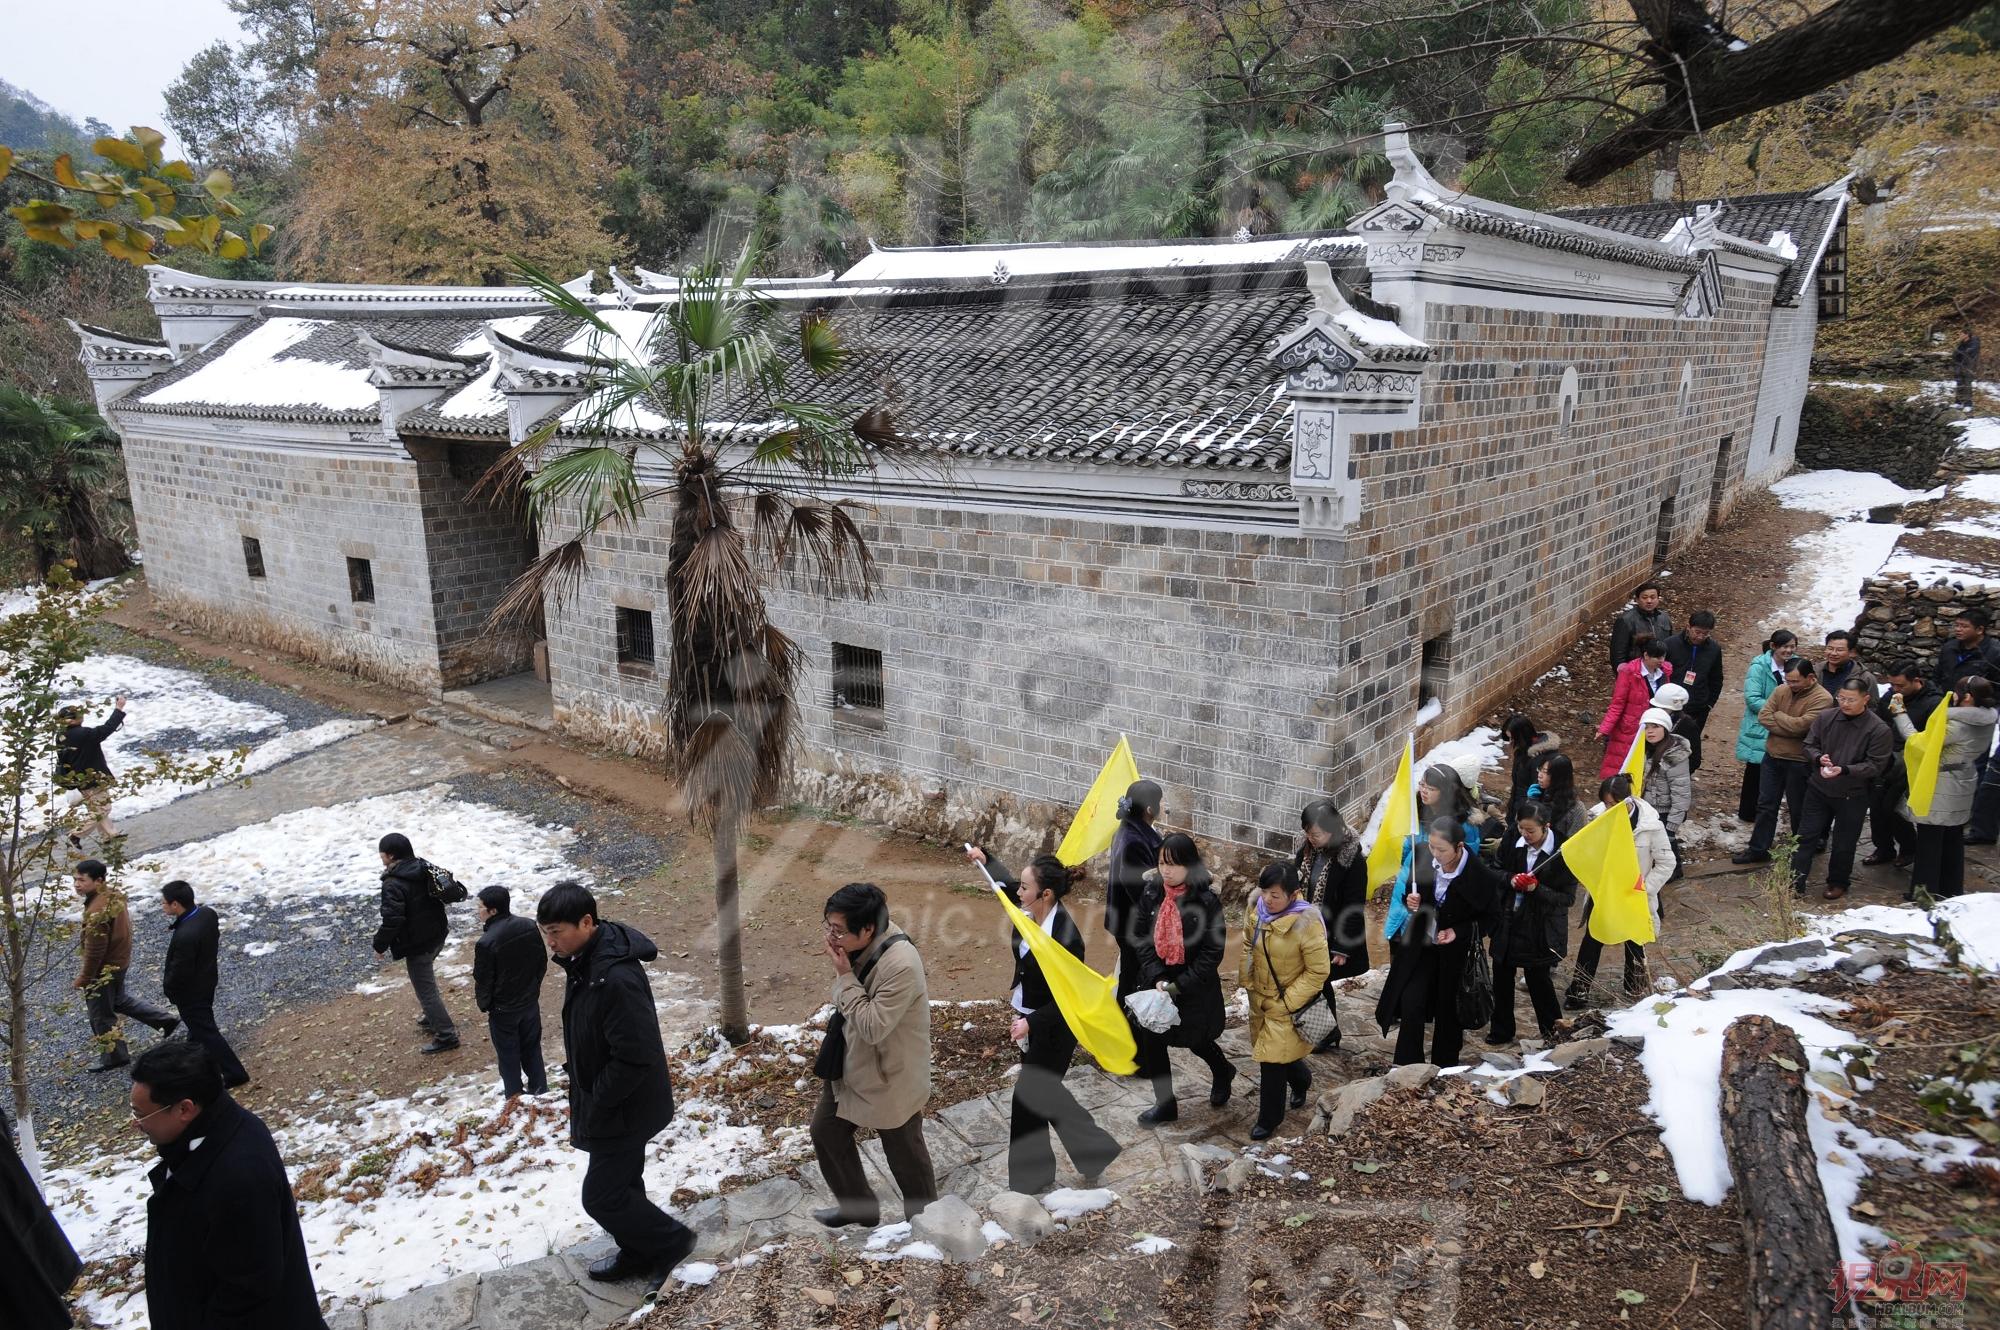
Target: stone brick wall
[(1252, 672), (194, 503), (476, 551), (1904, 618), (1787, 371)]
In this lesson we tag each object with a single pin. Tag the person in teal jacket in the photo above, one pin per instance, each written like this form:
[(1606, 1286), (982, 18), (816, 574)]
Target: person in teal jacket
[(1763, 676), (1441, 791)]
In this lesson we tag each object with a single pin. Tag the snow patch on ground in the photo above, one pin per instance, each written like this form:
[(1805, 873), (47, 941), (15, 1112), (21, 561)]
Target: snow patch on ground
[(330, 852), (1076, 1202), (293, 743), (1151, 1245), (1843, 493)]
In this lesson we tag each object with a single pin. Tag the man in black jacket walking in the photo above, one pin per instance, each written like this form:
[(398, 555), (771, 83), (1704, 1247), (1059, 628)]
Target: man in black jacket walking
[(1694, 661), (189, 978), (620, 1096), (508, 963), (1641, 619), (223, 1244), (80, 764), (414, 928)]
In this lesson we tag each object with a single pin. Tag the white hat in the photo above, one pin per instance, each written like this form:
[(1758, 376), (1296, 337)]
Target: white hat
[(1655, 716), (1670, 697)]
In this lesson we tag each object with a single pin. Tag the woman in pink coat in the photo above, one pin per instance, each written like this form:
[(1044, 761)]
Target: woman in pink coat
[(1631, 694)]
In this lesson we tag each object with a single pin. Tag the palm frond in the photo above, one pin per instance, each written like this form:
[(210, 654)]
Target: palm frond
[(552, 579)]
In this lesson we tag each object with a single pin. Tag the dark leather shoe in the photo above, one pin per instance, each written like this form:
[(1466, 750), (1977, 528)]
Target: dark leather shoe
[(1218, 1093), (1878, 858), (1298, 1099), (622, 1264), (167, 1030), (835, 1217), (1834, 893), (1260, 1132), (1750, 857), (111, 1062), (438, 1045), (1158, 1113), (1328, 1044)]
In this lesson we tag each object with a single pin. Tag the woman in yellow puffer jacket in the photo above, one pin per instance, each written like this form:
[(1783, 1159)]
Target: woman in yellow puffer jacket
[(1285, 965)]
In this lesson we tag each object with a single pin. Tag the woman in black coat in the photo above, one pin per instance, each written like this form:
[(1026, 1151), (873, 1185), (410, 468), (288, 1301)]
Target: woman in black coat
[(1135, 851), (34, 1251), (1448, 905), (1041, 1100), (1334, 874), (1527, 749), (1181, 936), (1531, 930)]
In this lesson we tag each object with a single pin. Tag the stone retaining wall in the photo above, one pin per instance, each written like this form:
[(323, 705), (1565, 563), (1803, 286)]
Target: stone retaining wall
[(1902, 618)]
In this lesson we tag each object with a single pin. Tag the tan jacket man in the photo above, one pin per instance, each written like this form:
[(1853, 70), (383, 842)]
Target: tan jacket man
[(1789, 714)]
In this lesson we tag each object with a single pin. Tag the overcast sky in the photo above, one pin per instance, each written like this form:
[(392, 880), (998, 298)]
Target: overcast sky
[(107, 62)]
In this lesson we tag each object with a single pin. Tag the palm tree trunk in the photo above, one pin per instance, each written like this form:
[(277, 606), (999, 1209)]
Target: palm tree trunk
[(97, 553), (729, 934)]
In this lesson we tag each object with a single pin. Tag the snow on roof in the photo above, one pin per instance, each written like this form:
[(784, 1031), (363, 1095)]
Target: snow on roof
[(482, 397), (1004, 261), (256, 372)]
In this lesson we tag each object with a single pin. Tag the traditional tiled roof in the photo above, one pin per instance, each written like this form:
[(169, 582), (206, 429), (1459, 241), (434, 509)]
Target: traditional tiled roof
[(1141, 369), (103, 346), (1466, 214), (1807, 216), (1002, 263)]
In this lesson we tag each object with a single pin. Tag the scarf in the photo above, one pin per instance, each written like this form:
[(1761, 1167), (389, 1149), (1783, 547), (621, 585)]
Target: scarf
[(1265, 918), (1168, 942)]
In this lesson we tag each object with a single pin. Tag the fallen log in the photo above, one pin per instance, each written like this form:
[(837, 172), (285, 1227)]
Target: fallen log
[(1786, 1228)]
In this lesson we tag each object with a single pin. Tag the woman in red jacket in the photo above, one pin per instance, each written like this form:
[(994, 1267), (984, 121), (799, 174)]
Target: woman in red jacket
[(1637, 678)]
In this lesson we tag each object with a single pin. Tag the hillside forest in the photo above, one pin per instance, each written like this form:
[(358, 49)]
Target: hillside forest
[(443, 140)]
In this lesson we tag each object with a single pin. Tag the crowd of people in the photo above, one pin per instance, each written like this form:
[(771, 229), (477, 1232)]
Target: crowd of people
[(1482, 902)]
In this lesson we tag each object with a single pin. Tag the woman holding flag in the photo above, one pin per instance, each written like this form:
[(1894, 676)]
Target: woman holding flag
[(1441, 793), (1655, 865), (1182, 934), (1135, 851), (1041, 1100), (1943, 787), (1444, 907)]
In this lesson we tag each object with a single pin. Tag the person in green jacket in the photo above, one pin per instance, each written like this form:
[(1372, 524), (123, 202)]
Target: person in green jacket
[(1765, 673)]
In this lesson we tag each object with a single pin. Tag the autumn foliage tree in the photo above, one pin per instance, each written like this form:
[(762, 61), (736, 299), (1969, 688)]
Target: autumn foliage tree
[(451, 134)]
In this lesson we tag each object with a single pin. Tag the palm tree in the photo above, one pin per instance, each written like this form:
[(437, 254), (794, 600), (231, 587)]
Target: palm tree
[(741, 506), (58, 460)]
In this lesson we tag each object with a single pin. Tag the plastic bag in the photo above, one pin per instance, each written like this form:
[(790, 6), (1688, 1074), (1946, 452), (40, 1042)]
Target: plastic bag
[(1153, 1009)]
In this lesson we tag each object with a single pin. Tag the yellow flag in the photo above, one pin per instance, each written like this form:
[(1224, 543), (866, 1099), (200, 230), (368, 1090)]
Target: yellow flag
[(1096, 820), (1605, 859), (1635, 763), (1922, 755), (1088, 1000), (1399, 819)]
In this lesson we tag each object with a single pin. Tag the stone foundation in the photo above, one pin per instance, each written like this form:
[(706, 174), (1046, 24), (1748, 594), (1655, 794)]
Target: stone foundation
[(1903, 618), (397, 664)]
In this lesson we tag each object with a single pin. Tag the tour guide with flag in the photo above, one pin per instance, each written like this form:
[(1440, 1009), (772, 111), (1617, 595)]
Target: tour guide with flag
[(1118, 813), (1940, 758), (1057, 1000), (1623, 858)]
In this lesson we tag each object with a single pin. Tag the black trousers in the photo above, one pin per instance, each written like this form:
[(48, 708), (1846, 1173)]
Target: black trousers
[(840, 1161), (517, 1043), (1156, 1064), (1541, 993), (1829, 818), (1889, 831), (614, 1194), (1041, 1103), (106, 1000), (1985, 801), (1276, 1083), (1431, 997), (1128, 971), (1693, 735), (1940, 864), (1753, 781), (1784, 783), (199, 1018)]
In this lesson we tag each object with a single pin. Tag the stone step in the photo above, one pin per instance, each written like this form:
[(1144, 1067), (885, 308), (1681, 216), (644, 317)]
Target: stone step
[(456, 721)]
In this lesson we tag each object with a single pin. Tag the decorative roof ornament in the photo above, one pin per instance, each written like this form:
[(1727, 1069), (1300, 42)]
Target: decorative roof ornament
[(1411, 178), (581, 287), (628, 294), (1242, 234), (1000, 274), (397, 365)]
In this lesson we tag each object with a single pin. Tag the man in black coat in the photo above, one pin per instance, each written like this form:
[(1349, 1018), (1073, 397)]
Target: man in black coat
[(1642, 618), (80, 763), (1694, 661), (190, 975), (223, 1246), (40, 1264), (620, 1096), (414, 929), (508, 963), (1041, 1100), (1971, 651), (1893, 835)]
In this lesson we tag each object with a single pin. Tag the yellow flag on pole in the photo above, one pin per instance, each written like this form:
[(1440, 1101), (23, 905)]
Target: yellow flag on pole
[(1605, 859), (1922, 755), (1399, 819), (1096, 820), (1635, 763), (1088, 1000)]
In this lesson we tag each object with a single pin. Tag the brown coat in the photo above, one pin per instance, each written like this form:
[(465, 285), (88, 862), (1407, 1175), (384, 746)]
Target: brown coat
[(1297, 950), (107, 934), (1787, 716), (886, 1079)]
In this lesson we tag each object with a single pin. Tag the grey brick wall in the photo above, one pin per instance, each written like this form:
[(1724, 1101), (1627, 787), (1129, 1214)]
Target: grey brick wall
[(476, 550), (194, 504)]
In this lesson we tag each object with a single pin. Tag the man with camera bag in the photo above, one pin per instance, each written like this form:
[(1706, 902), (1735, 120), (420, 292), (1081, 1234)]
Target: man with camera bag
[(414, 928)]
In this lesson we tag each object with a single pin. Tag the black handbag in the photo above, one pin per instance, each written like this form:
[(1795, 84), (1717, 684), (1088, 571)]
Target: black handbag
[(1475, 984), (830, 1063)]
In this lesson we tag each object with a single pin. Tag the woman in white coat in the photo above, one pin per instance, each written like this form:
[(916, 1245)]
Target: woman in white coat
[(1968, 731), (1656, 865)]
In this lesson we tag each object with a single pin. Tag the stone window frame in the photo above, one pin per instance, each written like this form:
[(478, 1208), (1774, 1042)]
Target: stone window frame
[(253, 558), (1434, 669), (1684, 399), (360, 579), (623, 603), (869, 708), (1567, 397), (632, 639)]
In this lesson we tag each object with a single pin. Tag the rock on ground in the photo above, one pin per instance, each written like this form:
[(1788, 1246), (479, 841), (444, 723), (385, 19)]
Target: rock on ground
[(953, 1227), (1022, 1216)]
